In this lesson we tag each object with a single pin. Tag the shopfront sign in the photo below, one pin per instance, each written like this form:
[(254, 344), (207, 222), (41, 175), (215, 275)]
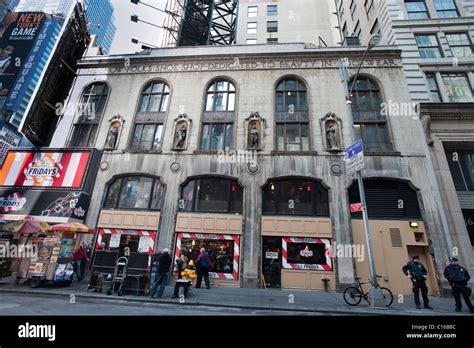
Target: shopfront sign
[(50, 206), (306, 253), (14, 202), (271, 255), (356, 207), (45, 169)]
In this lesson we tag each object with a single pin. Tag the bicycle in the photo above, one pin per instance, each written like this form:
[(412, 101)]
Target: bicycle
[(353, 295)]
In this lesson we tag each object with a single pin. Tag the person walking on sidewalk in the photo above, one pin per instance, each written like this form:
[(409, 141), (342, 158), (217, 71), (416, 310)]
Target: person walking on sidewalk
[(160, 272), (79, 257), (204, 264), (418, 275), (458, 277)]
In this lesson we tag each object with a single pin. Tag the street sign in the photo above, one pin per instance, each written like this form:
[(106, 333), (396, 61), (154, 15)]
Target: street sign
[(354, 157), (356, 207)]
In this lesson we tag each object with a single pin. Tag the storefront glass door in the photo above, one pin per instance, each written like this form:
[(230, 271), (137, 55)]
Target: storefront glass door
[(271, 265)]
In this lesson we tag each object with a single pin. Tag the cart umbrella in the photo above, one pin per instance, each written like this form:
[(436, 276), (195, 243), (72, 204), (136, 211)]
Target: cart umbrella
[(72, 227), (29, 226)]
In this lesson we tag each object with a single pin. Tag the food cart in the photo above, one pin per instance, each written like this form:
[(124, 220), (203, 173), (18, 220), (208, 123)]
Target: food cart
[(51, 261)]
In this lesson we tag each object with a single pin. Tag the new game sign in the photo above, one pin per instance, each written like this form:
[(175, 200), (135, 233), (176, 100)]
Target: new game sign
[(18, 32), (45, 169)]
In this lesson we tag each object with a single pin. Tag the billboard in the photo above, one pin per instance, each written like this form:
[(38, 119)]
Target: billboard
[(18, 34), (8, 138), (52, 206), (50, 168)]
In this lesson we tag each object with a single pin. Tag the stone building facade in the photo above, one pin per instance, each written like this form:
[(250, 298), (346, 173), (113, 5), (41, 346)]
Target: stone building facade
[(282, 109)]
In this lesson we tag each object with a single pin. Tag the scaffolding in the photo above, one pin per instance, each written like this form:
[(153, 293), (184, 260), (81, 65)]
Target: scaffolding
[(200, 22)]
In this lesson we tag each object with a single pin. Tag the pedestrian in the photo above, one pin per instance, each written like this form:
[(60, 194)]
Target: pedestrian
[(458, 277), (188, 275), (418, 275), (79, 257), (181, 263), (204, 264), (160, 270)]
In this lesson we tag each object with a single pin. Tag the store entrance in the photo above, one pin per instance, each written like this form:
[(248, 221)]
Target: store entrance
[(271, 265)]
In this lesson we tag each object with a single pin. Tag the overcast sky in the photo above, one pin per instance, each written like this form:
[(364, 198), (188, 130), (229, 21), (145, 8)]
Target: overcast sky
[(126, 29)]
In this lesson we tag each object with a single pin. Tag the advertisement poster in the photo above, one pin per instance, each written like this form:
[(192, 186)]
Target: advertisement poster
[(144, 244), (115, 240), (18, 32), (67, 246), (57, 206)]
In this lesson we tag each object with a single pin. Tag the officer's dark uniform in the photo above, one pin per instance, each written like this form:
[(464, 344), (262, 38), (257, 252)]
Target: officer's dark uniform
[(418, 273), (458, 277)]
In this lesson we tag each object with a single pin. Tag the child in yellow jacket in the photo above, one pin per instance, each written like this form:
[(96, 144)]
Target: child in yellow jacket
[(188, 275)]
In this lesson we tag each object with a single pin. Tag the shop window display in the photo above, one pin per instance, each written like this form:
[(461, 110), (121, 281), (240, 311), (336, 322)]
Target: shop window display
[(221, 252), (306, 253)]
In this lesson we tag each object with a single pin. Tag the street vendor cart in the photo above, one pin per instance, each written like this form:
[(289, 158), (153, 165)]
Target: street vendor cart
[(51, 261)]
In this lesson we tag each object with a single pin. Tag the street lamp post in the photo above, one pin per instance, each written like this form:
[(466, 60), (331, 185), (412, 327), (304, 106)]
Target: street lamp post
[(376, 298)]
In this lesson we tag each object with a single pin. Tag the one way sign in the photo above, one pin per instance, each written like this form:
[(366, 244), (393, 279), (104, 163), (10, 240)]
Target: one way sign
[(354, 157)]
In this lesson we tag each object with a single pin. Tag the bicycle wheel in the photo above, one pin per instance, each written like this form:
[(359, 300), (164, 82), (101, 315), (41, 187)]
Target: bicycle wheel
[(388, 296), (352, 296)]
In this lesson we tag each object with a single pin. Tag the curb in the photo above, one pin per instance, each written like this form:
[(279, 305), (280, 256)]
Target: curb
[(97, 298)]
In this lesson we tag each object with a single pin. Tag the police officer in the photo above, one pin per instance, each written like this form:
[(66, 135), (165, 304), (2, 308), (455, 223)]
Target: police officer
[(418, 274), (458, 277)]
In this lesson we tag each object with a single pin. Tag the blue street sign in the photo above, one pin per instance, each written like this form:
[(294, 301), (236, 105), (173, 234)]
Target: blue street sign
[(354, 157)]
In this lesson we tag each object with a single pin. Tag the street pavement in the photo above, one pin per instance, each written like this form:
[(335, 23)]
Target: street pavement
[(217, 300)]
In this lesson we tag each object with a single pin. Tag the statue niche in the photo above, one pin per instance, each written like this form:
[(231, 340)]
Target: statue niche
[(331, 126), (115, 126), (181, 132), (254, 132)]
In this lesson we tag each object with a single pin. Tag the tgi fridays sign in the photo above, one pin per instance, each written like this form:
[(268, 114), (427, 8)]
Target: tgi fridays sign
[(44, 169), (14, 202)]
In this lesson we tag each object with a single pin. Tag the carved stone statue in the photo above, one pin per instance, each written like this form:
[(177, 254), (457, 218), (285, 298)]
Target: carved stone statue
[(254, 137), (255, 131), (112, 137), (331, 136), (181, 134), (331, 132), (182, 127)]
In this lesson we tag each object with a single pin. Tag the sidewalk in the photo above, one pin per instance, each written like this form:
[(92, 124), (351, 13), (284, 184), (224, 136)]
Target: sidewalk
[(258, 299)]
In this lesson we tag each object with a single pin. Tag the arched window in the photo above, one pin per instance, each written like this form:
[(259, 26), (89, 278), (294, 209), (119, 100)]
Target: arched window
[(218, 119), (89, 114), (148, 129), (135, 192), (370, 124), (387, 199), (292, 115), (212, 194), (295, 196)]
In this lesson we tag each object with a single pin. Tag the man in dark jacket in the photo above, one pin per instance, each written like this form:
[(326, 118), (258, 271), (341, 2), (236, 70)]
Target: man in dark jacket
[(418, 274), (160, 271), (458, 277), (204, 264)]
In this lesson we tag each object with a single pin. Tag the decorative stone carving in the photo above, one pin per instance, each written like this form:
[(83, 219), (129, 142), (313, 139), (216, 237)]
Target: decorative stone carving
[(426, 123), (113, 135), (181, 132), (331, 128), (254, 131)]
